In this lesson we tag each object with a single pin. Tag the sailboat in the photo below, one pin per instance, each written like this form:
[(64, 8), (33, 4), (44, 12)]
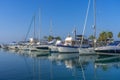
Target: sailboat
[(89, 50), (34, 43), (27, 45), (39, 46), (54, 43)]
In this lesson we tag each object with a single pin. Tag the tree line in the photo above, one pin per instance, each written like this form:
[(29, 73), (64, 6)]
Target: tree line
[(50, 38), (104, 36)]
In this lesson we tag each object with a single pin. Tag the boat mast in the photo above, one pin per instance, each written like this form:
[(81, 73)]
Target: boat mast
[(34, 28), (86, 17), (39, 23), (94, 8), (51, 27)]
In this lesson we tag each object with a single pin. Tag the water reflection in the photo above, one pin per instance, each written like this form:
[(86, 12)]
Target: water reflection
[(107, 61), (57, 66), (68, 59), (77, 64)]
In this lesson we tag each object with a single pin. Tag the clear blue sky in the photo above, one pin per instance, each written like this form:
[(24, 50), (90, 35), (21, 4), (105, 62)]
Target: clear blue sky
[(16, 15)]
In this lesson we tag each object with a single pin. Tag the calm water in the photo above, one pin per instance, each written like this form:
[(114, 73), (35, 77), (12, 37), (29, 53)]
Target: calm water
[(21, 65)]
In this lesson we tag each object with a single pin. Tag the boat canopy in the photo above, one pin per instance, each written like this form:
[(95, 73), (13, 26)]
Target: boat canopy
[(115, 43)]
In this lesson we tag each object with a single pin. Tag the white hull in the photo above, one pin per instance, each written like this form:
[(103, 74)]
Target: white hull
[(14, 47), (62, 49), (53, 48), (34, 48), (43, 48), (113, 47), (4, 46), (108, 49), (39, 50), (86, 51), (25, 48)]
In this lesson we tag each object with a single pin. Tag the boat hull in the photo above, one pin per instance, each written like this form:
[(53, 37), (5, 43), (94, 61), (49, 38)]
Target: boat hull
[(53, 48), (86, 51), (67, 49), (108, 49)]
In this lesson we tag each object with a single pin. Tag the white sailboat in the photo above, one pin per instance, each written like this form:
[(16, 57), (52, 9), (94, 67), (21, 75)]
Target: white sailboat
[(34, 43), (89, 50), (40, 46)]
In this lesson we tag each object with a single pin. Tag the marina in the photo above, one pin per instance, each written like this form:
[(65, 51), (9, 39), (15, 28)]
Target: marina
[(59, 40)]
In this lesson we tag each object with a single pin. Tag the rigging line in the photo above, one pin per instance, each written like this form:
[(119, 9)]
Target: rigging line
[(26, 63), (29, 28), (34, 28), (82, 70), (85, 22)]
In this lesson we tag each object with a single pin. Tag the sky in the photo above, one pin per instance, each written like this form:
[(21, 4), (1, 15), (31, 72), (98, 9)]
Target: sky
[(60, 16)]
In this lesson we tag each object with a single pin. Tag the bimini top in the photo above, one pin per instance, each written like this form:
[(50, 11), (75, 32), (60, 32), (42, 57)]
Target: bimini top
[(115, 43)]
